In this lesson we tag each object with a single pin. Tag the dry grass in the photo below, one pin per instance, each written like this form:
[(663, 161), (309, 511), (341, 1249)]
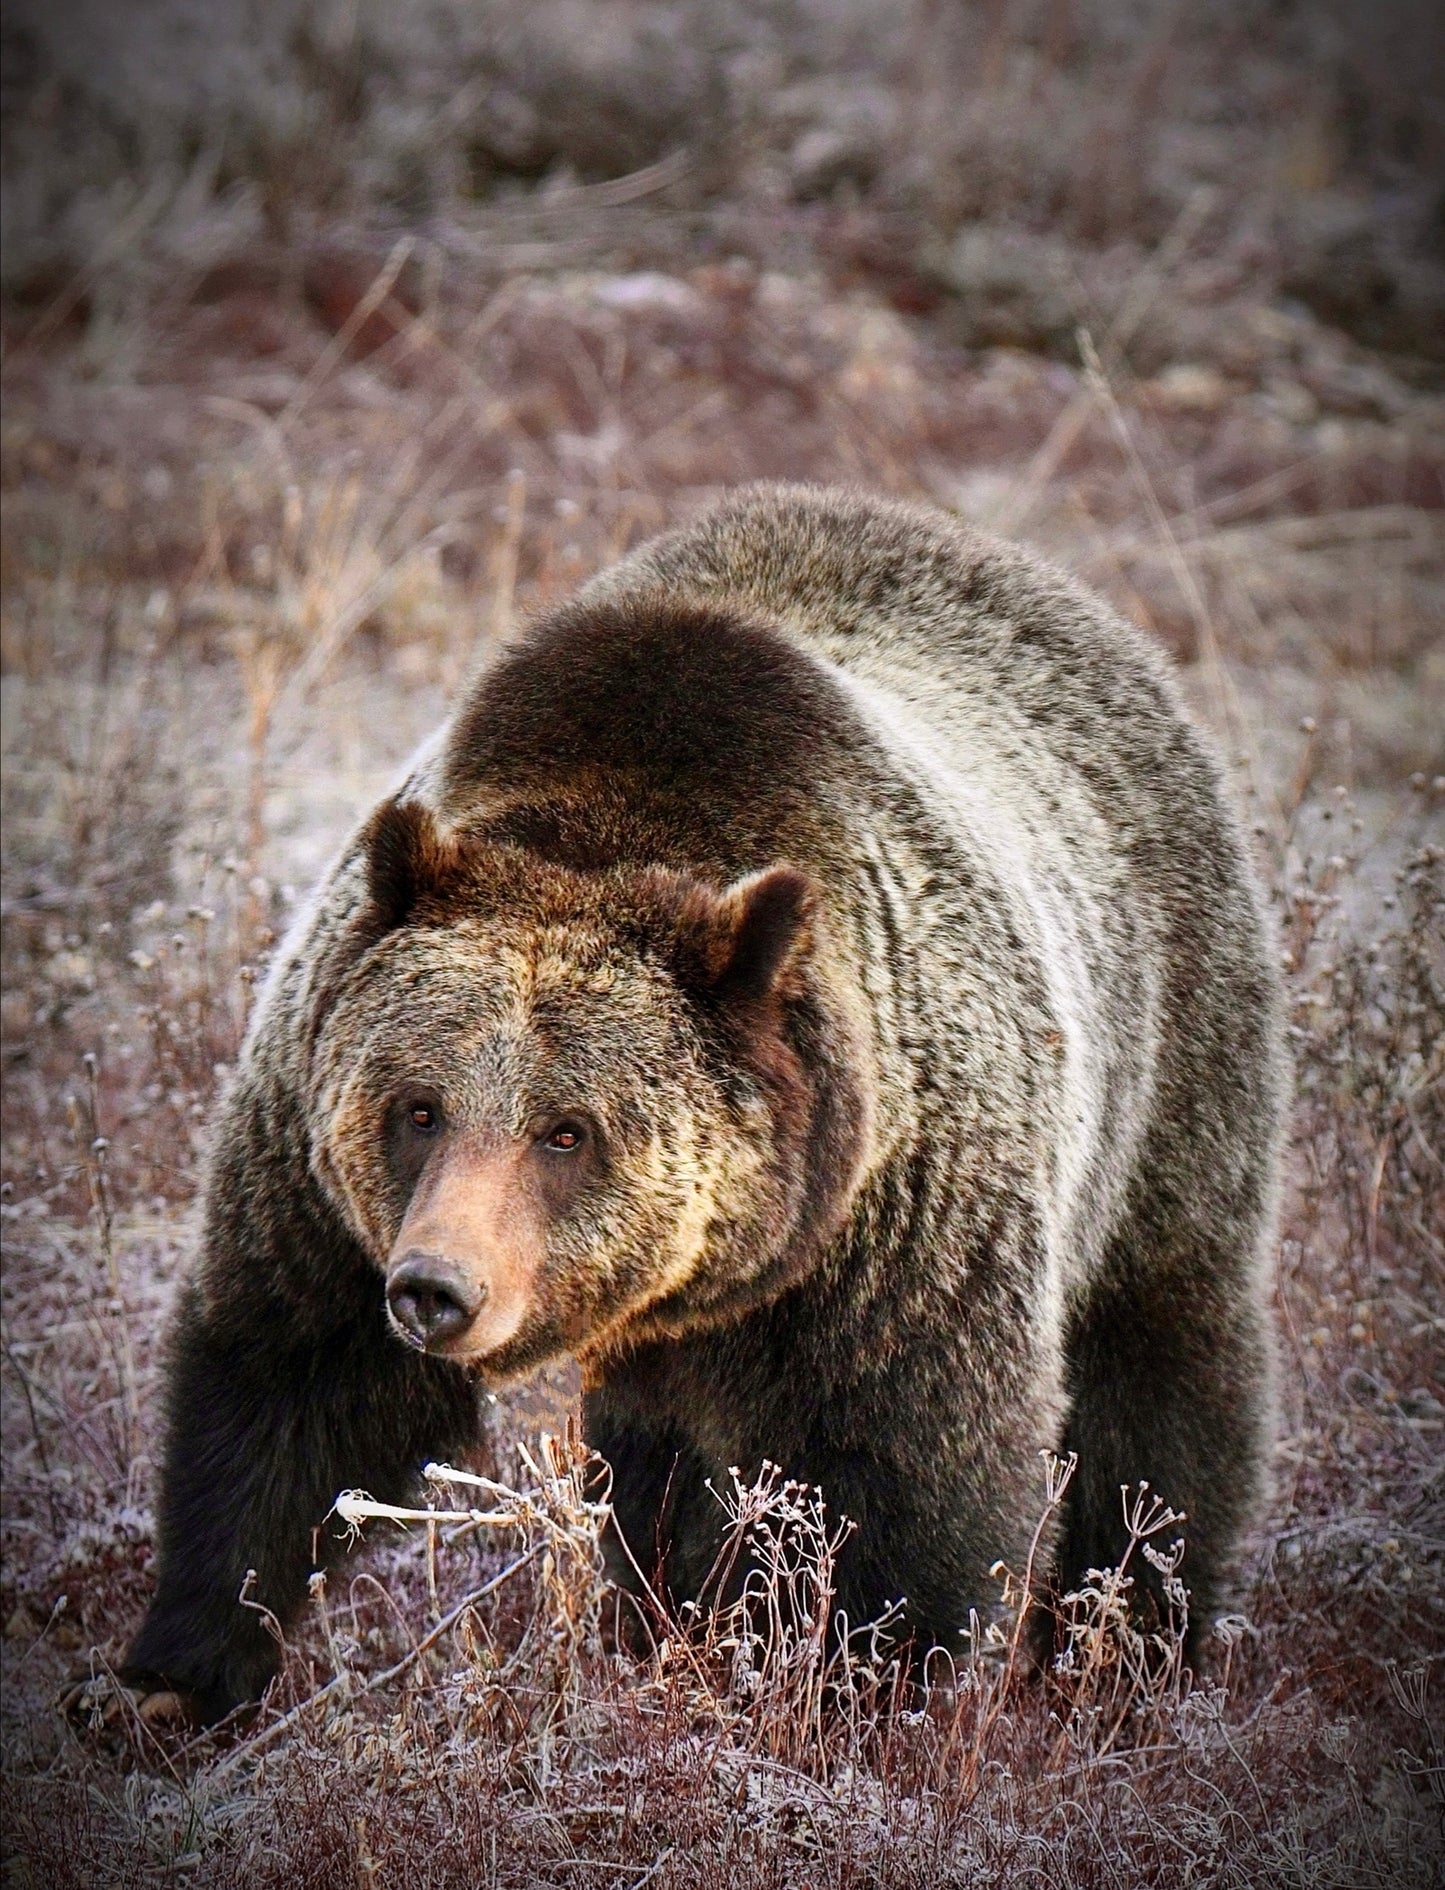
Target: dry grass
[(277, 465)]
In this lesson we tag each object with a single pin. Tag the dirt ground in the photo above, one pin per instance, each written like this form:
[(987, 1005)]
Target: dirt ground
[(286, 449)]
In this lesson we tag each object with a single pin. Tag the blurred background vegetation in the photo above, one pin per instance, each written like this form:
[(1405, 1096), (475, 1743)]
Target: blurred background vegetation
[(172, 137)]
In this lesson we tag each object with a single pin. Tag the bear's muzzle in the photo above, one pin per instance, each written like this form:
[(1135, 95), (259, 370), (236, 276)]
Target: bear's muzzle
[(463, 1270)]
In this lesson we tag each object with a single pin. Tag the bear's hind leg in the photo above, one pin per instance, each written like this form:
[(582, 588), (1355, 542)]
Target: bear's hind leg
[(1170, 1384)]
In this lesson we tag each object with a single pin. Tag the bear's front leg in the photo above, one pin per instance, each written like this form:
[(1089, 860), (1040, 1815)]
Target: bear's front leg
[(263, 1429), (658, 1540)]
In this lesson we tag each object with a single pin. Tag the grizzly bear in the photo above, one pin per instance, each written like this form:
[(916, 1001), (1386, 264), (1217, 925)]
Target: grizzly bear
[(815, 980)]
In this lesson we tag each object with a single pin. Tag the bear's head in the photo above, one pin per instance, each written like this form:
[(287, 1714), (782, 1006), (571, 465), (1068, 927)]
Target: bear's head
[(566, 1111)]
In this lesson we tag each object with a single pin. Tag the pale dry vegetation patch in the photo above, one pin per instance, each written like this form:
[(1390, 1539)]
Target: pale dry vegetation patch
[(289, 440)]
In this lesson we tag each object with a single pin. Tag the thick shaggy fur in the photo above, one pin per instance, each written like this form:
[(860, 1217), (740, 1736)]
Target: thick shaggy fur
[(955, 1142)]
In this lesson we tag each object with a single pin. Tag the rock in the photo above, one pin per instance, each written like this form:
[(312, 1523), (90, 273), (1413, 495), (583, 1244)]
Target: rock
[(1291, 401), (648, 290), (1187, 387)]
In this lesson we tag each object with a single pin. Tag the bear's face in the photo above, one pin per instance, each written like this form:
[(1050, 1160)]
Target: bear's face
[(564, 1111)]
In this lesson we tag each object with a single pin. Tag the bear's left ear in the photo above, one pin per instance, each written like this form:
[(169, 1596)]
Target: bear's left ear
[(406, 855), (747, 940)]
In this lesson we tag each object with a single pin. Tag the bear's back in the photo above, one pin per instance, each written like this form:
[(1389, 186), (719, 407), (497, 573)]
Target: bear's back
[(990, 650), (1046, 756)]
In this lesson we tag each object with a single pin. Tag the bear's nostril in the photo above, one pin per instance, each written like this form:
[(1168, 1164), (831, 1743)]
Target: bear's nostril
[(431, 1301)]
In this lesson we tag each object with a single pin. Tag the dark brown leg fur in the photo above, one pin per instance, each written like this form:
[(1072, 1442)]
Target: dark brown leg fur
[(666, 1525), (1168, 1373), (265, 1427)]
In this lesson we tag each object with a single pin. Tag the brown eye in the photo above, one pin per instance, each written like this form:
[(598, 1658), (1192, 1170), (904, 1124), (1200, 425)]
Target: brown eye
[(565, 1139), (422, 1117)]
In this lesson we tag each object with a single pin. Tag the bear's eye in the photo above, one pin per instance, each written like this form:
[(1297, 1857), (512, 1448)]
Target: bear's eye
[(565, 1139), (423, 1118)]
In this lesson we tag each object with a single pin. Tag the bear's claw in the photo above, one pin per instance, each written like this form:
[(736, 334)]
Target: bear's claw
[(99, 1703)]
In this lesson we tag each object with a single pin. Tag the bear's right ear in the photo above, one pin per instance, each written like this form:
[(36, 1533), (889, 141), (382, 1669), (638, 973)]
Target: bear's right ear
[(406, 855)]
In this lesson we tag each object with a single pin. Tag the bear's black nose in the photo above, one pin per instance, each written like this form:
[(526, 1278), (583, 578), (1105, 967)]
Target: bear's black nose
[(431, 1300)]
